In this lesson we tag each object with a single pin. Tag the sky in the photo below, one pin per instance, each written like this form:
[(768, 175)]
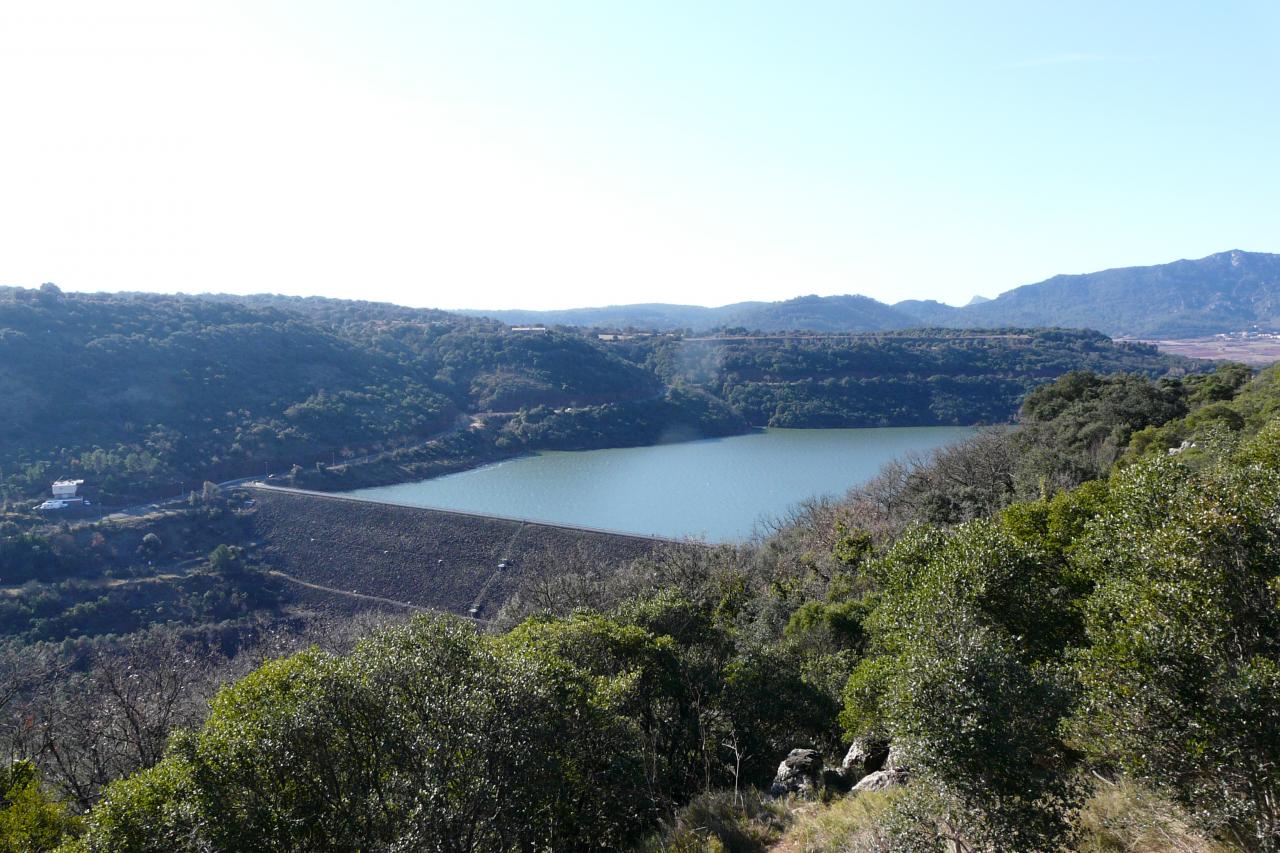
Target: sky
[(538, 154)]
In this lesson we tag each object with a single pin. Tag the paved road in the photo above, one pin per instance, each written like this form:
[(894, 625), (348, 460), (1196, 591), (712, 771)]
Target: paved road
[(376, 598), (459, 424), (157, 506)]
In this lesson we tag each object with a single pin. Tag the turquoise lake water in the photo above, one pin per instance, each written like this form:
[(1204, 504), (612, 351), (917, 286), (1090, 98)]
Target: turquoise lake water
[(717, 489)]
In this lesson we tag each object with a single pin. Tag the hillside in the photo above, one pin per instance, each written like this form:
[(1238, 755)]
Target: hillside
[(1226, 292), (150, 396), (813, 313), (912, 378)]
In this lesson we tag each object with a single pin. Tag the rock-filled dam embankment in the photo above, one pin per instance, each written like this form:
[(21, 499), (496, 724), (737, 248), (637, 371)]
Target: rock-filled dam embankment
[(385, 555)]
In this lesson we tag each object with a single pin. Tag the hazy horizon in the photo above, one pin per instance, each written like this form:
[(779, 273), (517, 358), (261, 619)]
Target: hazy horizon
[(469, 309)]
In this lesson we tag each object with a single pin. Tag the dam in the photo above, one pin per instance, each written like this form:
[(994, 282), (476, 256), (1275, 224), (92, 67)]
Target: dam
[(349, 553)]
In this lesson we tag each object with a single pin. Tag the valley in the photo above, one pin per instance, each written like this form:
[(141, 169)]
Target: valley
[(849, 515)]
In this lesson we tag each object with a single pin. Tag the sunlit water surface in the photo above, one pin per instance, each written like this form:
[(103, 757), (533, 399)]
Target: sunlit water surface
[(718, 489)]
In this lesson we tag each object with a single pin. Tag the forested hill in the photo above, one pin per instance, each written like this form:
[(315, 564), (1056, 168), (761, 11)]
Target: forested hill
[(143, 394), (148, 396), (809, 313), (1226, 292), (909, 378)]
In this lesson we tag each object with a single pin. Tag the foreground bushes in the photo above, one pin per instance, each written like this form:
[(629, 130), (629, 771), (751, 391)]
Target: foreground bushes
[(567, 734), (428, 737), (1134, 627)]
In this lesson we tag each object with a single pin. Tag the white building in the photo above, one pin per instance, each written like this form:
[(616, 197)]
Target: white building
[(66, 489)]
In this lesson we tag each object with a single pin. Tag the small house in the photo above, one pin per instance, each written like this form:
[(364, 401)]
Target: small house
[(66, 489), (65, 496)]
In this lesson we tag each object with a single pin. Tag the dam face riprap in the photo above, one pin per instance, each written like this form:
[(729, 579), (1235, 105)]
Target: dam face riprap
[(424, 558)]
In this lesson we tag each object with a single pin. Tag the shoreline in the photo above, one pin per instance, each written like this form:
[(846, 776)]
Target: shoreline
[(390, 472), (336, 480)]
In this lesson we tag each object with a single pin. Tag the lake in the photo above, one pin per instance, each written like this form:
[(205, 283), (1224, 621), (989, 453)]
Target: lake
[(718, 489)]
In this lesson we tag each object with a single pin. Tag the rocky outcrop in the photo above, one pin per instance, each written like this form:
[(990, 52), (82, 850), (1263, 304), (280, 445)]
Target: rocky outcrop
[(869, 765), (895, 760), (889, 770), (799, 773), (865, 756)]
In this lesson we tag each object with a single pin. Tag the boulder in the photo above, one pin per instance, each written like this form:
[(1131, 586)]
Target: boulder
[(895, 759), (864, 756), (880, 780), (799, 773)]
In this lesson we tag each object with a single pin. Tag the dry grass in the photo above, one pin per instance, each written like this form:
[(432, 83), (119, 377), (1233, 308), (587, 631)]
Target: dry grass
[(851, 824), (1123, 817), (716, 823), (1120, 817)]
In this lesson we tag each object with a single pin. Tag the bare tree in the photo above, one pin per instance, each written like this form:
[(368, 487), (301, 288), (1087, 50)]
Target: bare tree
[(89, 728)]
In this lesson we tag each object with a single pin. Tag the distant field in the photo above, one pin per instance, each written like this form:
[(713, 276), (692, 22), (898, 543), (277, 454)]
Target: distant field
[(1255, 352), (421, 557)]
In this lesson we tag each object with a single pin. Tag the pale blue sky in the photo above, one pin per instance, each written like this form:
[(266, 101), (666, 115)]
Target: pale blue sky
[(550, 154)]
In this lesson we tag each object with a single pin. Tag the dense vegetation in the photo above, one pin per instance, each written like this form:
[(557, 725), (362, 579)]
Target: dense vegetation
[(150, 396), (71, 584), (1035, 620), (1225, 292), (898, 379)]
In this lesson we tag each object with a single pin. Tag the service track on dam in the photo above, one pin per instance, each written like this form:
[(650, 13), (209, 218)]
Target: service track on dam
[(424, 558)]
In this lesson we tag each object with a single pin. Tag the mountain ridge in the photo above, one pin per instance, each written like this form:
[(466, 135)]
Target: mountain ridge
[(1227, 291)]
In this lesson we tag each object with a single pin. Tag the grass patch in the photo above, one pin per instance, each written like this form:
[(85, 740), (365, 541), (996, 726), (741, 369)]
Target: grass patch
[(716, 823), (851, 824), (1124, 817), (1118, 817)]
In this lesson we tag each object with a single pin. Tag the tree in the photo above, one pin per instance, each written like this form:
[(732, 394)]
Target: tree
[(968, 633), (226, 560), (90, 728), (150, 546), (30, 820), (1181, 677)]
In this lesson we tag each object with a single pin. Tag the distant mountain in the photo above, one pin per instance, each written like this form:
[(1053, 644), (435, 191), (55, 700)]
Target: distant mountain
[(822, 314), (643, 316), (977, 299), (928, 312), (1226, 292), (814, 313)]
